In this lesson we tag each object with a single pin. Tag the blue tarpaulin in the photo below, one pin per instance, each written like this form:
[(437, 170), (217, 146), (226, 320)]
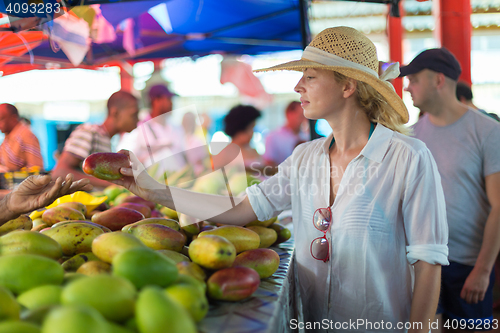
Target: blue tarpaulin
[(175, 28)]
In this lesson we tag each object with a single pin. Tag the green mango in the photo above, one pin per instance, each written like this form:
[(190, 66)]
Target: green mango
[(112, 296), (30, 242), (155, 311), (75, 319), (41, 296), (21, 272)]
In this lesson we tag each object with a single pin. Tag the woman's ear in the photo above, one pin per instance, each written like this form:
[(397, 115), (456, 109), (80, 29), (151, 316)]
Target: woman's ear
[(350, 87)]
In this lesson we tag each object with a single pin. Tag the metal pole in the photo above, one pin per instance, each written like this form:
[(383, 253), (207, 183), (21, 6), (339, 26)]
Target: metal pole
[(395, 36), (454, 30)]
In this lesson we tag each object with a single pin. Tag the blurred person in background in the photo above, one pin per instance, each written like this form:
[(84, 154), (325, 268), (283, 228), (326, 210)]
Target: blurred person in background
[(280, 143), (20, 148), (156, 138), (195, 148), (87, 139), (239, 124), (464, 144), (465, 96)]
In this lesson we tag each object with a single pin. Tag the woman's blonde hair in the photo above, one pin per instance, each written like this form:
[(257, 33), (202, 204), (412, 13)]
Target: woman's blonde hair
[(375, 105)]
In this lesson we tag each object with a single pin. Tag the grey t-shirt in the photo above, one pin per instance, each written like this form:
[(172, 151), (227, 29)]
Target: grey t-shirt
[(465, 152)]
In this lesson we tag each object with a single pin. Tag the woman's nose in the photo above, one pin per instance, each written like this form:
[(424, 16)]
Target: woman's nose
[(298, 88)]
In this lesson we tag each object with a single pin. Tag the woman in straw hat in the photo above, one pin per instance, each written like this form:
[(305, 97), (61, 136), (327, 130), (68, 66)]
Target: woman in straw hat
[(368, 207)]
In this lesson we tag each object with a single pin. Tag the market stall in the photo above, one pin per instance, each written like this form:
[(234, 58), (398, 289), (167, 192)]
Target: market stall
[(270, 308)]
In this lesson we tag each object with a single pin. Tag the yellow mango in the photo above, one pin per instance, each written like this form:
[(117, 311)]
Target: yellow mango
[(173, 224), (212, 252), (58, 214), (107, 245), (74, 237), (23, 222), (159, 237), (267, 235), (73, 263), (92, 268), (242, 238), (265, 223)]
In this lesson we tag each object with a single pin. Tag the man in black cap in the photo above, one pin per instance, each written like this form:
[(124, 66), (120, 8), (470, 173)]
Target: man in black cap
[(160, 98), (464, 144)]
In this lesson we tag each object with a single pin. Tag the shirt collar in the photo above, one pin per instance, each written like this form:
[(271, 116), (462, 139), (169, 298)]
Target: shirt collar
[(377, 145)]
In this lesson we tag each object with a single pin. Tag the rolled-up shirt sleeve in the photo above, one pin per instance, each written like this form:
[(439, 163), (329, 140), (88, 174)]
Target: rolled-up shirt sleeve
[(424, 212), (272, 196)]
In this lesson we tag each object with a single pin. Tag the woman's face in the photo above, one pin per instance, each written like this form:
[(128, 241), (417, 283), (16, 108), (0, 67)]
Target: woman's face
[(320, 93)]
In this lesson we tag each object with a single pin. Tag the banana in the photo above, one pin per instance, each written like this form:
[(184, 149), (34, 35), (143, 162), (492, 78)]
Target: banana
[(23, 222)]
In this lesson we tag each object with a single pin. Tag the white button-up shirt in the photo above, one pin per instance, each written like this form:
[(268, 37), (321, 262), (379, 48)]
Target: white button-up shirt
[(389, 212)]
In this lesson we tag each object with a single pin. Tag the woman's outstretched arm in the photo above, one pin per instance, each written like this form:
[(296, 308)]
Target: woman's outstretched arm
[(208, 207)]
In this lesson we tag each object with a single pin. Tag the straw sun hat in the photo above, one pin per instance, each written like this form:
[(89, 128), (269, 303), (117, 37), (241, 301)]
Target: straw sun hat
[(347, 51)]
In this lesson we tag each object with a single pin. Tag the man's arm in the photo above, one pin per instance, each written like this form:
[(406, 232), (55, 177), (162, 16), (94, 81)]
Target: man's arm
[(425, 296), (477, 282), (32, 152), (70, 163), (34, 160), (36, 192)]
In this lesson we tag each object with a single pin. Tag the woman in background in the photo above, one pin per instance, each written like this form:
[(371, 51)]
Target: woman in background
[(239, 124)]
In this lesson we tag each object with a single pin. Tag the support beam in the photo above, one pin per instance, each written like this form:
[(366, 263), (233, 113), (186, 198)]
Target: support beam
[(454, 31), (395, 36), (126, 77)]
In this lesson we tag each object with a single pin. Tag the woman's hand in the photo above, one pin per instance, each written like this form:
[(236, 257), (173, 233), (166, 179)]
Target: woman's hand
[(137, 180), (40, 191)]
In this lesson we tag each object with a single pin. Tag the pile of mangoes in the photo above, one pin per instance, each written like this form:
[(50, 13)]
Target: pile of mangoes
[(121, 268)]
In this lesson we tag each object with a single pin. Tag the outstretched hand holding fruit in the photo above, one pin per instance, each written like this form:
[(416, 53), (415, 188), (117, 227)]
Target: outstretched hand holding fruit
[(121, 172), (36, 192), (135, 178)]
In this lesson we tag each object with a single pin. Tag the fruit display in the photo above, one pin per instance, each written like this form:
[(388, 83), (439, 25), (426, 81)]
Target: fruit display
[(122, 271)]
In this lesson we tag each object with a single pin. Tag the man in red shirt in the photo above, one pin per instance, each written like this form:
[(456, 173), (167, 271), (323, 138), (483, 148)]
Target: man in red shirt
[(20, 147)]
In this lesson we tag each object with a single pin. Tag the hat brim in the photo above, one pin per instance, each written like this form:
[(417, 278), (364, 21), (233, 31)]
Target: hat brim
[(383, 87), (408, 70)]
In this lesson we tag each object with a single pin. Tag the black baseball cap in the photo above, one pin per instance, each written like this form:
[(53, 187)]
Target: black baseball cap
[(438, 60)]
